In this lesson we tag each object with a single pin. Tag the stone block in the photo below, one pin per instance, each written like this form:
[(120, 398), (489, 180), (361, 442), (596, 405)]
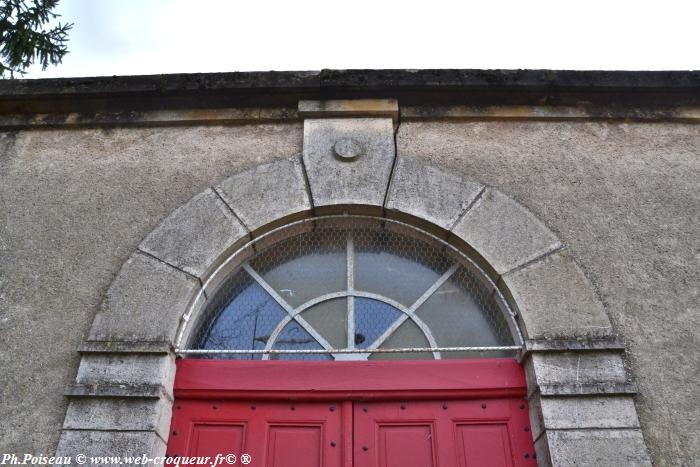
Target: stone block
[(119, 414), (109, 443), (555, 299), (268, 193), (560, 345), (144, 303), (197, 235), (273, 238), (567, 413), (127, 369), (574, 368), (87, 347), (348, 161), (429, 193), (504, 232), (133, 391), (349, 108), (594, 448)]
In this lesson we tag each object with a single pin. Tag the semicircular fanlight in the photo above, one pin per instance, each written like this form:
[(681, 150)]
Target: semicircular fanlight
[(352, 287)]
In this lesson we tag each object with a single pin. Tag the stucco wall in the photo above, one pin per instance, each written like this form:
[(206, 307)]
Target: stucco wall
[(74, 204), (626, 199)]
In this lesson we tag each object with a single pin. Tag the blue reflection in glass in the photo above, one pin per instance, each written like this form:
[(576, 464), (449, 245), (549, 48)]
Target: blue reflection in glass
[(372, 318), (245, 323), (294, 337)]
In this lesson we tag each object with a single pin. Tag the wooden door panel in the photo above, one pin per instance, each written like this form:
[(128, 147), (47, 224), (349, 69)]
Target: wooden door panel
[(295, 446), (409, 445), (468, 413), (274, 434), (483, 445), (472, 433), (209, 440)]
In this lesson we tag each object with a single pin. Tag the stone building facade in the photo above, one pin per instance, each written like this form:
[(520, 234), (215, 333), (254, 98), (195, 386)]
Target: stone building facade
[(576, 192)]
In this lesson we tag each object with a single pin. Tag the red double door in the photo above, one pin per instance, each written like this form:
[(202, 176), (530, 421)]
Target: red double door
[(289, 414)]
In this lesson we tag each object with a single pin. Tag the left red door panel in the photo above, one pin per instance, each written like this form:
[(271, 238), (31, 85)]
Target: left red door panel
[(273, 434)]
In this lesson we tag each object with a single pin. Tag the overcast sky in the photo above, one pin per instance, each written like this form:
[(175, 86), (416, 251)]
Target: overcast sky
[(124, 37)]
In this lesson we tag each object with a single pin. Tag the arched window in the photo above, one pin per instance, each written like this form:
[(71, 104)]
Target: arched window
[(353, 287)]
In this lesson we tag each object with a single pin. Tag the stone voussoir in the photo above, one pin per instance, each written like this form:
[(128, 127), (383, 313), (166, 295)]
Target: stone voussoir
[(556, 300), (504, 232), (429, 193), (358, 179), (196, 236), (144, 303), (267, 193)]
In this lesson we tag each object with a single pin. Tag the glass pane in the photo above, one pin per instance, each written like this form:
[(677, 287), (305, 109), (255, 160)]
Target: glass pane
[(372, 318), (246, 322), (330, 320), (406, 336), (306, 266), (293, 336), (309, 259), (463, 313), (398, 267)]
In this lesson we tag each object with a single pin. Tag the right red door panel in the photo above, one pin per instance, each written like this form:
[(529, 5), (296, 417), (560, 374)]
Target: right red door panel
[(482, 444), (471, 433)]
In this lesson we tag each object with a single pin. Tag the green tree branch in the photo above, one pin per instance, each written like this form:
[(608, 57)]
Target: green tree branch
[(23, 39)]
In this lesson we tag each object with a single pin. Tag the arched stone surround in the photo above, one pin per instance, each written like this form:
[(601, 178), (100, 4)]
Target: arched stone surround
[(580, 396)]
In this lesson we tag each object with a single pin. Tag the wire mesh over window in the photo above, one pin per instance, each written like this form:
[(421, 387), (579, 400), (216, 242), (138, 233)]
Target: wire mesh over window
[(351, 287)]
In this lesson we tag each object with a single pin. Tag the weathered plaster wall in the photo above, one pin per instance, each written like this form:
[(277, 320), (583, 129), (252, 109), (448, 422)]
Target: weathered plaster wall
[(74, 204), (626, 199)]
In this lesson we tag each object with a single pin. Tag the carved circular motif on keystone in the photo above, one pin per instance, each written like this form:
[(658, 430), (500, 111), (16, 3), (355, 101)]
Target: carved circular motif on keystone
[(347, 149)]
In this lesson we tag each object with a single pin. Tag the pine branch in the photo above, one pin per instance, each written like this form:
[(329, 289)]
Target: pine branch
[(23, 39)]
